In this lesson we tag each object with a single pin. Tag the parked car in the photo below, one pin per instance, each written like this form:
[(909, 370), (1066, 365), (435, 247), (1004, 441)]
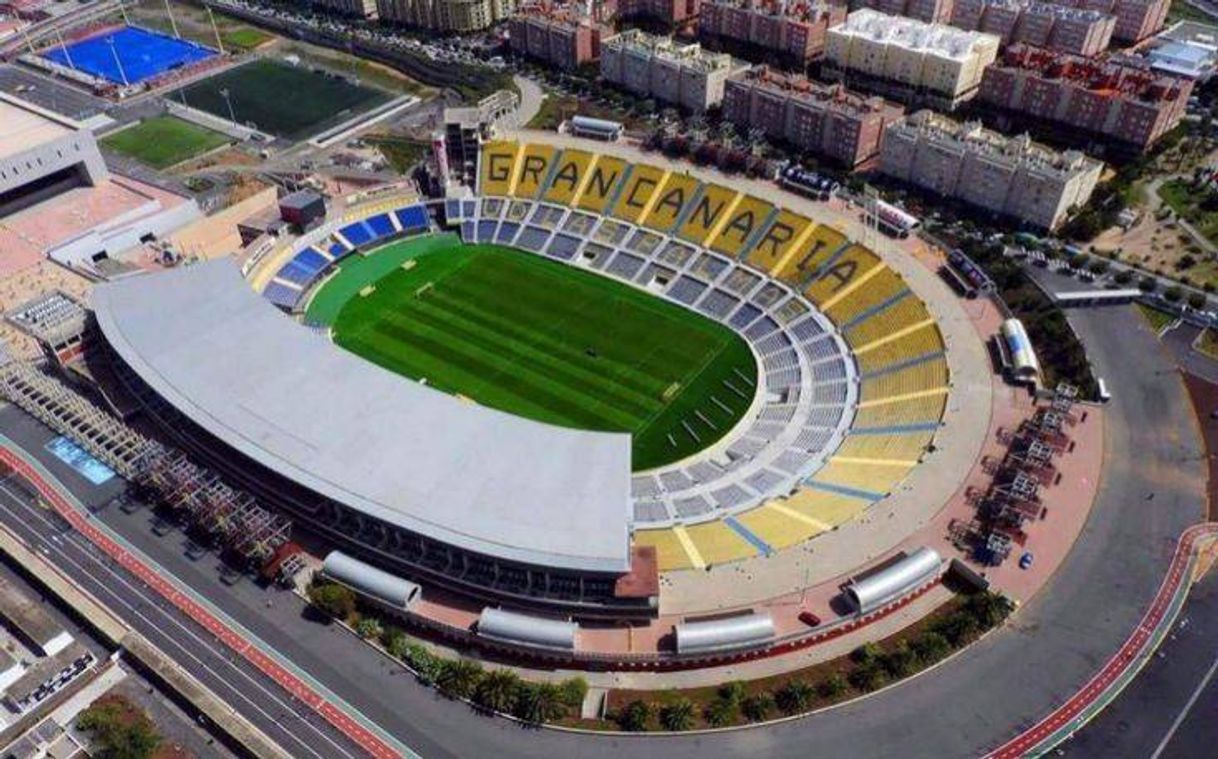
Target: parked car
[(808, 618), (1025, 561)]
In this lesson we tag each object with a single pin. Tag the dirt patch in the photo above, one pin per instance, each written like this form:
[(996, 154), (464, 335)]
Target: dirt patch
[(1205, 401)]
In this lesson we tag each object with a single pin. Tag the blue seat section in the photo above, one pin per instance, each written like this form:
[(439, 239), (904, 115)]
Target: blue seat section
[(357, 234), (412, 218), (507, 232), (380, 225), (310, 258), (297, 274), (452, 210), (486, 231), (281, 295), (338, 250), (563, 247), (533, 238), (469, 231)]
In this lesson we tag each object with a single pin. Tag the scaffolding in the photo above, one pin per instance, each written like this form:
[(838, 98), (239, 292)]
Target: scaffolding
[(197, 497)]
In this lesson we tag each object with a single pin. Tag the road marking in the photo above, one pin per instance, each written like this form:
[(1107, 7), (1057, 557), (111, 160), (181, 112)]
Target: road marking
[(1187, 708)]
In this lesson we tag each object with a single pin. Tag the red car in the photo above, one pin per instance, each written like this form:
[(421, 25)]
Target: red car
[(809, 619)]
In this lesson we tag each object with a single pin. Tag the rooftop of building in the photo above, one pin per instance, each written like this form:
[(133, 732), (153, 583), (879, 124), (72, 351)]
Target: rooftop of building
[(1049, 9), (691, 54), (563, 15), (1192, 33), (973, 137), (1118, 76), (913, 34), (836, 95), (795, 11), (26, 126)]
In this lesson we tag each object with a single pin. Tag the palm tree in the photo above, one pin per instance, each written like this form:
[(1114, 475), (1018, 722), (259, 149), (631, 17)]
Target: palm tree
[(794, 697), (497, 690), (677, 716), (459, 678)]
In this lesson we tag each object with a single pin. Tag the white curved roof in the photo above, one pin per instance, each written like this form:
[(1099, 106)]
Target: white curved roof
[(467, 475), (373, 581)]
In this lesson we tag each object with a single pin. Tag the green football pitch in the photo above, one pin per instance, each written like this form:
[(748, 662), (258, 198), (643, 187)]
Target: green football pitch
[(163, 141), (542, 340)]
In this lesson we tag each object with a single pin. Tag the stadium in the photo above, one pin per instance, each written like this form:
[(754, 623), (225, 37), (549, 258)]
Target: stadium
[(587, 374)]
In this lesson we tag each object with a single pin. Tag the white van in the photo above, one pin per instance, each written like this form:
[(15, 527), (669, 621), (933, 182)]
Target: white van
[(1105, 396)]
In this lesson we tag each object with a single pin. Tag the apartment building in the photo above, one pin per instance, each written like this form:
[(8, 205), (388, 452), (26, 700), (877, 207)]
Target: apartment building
[(446, 15), (658, 67), (1120, 100), (930, 11), (908, 60), (675, 13), (1135, 19), (827, 119), (355, 8), (561, 36), (793, 32), (1012, 176), (1056, 27)]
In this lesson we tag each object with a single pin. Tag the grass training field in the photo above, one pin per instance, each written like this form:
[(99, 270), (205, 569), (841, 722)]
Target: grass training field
[(163, 141), (287, 101), (543, 340)]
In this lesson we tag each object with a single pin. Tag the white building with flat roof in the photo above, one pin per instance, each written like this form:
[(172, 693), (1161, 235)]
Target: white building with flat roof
[(42, 152), (658, 67), (908, 59), (1012, 176)]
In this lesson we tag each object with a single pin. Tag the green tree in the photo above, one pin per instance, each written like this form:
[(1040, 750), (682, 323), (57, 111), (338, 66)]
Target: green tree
[(989, 609), (756, 707), (634, 716), (334, 600), (930, 647), (573, 691), (1123, 277), (496, 690), (900, 661), (458, 678), (867, 653), (719, 712), (677, 716), (1147, 284), (832, 686), (867, 677), (1173, 294), (794, 696), (424, 662), (1196, 301), (368, 628), (119, 729), (395, 641), (733, 691)]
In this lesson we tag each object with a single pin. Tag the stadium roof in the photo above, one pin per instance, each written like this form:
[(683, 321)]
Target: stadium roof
[(26, 126), (467, 475)]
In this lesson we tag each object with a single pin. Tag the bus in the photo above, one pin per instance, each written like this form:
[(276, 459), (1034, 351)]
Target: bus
[(893, 221)]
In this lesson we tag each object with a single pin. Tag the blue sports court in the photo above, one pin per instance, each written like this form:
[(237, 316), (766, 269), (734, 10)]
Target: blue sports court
[(143, 54)]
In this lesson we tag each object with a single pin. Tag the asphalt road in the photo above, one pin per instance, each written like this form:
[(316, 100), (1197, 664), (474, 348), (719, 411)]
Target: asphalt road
[(290, 724), (1151, 492), (1170, 709)]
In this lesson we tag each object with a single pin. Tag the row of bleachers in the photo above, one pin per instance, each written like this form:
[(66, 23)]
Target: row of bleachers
[(282, 295), (892, 446), (914, 410), (882, 287), (915, 378), (910, 345), (887, 322)]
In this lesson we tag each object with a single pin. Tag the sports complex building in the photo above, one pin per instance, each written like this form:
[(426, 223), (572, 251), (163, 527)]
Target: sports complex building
[(836, 395)]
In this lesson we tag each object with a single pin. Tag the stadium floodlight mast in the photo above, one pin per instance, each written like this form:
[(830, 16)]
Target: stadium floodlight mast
[(215, 29), (173, 24), (63, 46), (118, 61), (232, 116)]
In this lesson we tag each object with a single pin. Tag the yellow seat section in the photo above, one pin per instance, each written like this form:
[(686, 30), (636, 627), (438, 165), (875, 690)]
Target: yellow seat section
[(638, 192), (570, 173), (903, 446), (818, 245), (839, 273), (911, 379), (926, 407), (910, 345), (498, 167), (533, 169), (879, 479), (603, 179), (778, 527), (717, 543), (882, 285), (825, 509), (749, 215), (669, 552), (890, 321), (671, 200), (780, 239), (714, 204)]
